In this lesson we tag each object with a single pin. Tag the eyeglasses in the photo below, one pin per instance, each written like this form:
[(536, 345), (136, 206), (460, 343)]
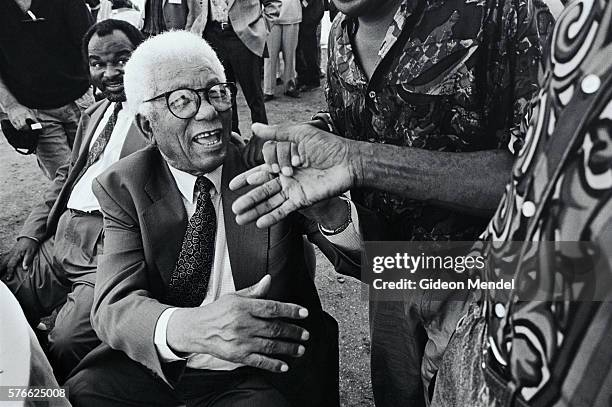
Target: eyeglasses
[(184, 103)]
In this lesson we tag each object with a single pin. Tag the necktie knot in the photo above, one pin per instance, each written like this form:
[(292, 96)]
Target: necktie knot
[(204, 185), (117, 108)]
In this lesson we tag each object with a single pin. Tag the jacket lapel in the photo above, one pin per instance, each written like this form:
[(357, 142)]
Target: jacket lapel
[(247, 245), (165, 220), (134, 141)]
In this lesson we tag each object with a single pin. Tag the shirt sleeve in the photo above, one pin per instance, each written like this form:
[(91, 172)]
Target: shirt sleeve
[(350, 238), (533, 24), (164, 351)]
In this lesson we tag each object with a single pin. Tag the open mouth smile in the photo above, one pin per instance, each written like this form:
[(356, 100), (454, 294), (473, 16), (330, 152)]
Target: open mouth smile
[(208, 138), (114, 87)]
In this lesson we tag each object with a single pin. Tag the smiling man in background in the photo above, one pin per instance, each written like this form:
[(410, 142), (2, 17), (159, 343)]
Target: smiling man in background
[(54, 261)]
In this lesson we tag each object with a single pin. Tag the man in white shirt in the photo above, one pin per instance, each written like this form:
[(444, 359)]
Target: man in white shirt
[(54, 261), (222, 315)]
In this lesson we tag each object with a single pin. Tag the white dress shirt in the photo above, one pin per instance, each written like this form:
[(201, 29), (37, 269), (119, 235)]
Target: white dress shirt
[(219, 11), (221, 279), (82, 197)]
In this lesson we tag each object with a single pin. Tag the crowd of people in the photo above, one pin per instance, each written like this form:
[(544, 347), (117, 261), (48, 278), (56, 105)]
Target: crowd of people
[(178, 256)]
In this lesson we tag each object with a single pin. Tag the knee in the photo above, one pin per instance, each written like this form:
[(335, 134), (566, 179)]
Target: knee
[(81, 388), (61, 341)]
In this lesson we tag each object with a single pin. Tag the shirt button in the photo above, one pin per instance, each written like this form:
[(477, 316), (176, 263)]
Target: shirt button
[(528, 209), (590, 84), (500, 311), (372, 94)]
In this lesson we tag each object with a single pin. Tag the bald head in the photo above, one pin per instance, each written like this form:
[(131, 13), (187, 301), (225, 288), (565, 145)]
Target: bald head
[(163, 58)]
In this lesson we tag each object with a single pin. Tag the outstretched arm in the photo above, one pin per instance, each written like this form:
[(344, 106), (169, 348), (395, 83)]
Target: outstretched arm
[(330, 165)]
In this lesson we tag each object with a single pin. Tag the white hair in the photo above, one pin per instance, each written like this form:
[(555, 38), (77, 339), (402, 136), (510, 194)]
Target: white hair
[(157, 58)]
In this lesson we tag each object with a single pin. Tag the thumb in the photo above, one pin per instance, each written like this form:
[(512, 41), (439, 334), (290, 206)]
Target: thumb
[(27, 259), (257, 290)]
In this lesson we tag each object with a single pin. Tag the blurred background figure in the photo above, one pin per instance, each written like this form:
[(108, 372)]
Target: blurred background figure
[(42, 76), (237, 31), (307, 61), (164, 15), (283, 36), (123, 10)]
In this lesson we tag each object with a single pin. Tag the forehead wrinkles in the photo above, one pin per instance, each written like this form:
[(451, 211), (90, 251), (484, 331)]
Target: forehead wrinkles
[(117, 41), (171, 77)]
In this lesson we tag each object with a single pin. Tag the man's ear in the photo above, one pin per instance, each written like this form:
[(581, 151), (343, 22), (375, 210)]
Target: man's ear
[(144, 125)]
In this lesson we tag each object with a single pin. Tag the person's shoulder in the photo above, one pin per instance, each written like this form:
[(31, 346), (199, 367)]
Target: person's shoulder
[(96, 105), (132, 171)]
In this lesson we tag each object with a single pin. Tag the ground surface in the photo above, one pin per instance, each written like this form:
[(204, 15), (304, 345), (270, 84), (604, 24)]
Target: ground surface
[(22, 184)]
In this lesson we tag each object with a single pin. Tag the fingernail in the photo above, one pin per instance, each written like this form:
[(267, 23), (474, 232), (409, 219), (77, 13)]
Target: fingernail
[(275, 168), (284, 368), (295, 160), (303, 312), (305, 335), (301, 350), (287, 172)]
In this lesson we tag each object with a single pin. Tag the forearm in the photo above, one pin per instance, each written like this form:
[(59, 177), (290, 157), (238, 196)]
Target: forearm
[(7, 100), (35, 225), (471, 182)]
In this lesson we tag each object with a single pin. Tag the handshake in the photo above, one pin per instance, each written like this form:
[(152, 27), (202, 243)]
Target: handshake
[(303, 166)]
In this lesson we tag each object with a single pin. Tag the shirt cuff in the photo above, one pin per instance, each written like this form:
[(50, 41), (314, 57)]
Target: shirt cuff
[(161, 344), (350, 238)]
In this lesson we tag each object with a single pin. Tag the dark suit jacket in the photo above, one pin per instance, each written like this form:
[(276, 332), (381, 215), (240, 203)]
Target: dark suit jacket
[(145, 222), (42, 221)]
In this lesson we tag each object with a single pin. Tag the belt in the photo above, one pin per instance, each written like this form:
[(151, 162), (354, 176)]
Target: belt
[(83, 213), (225, 26)]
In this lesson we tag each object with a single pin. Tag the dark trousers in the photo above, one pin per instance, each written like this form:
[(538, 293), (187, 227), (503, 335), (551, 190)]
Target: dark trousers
[(306, 64), (408, 339), (108, 377), (62, 274), (116, 380), (242, 66)]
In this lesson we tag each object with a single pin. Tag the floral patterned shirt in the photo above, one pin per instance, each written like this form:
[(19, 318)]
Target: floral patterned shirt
[(556, 352), (463, 80)]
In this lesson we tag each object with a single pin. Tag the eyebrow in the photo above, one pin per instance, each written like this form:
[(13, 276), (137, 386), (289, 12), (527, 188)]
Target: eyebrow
[(121, 53)]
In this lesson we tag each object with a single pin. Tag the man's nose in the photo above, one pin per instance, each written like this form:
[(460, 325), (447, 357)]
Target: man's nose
[(206, 111), (112, 71)]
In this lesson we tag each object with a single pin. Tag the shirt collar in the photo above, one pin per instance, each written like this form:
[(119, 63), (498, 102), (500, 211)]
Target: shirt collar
[(186, 182)]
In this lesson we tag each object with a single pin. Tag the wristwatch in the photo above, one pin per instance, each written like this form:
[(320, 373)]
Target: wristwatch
[(343, 226)]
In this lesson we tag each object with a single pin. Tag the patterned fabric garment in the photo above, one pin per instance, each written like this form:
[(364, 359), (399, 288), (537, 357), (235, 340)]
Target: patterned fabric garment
[(552, 350), (463, 81), (189, 281), (219, 11), (100, 143)]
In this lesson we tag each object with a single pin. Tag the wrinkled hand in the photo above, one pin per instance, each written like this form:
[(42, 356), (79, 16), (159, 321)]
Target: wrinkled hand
[(18, 115), (241, 328), (324, 166), (21, 255)]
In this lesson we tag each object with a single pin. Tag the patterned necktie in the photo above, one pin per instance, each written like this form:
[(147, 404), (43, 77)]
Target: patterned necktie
[(189, 280), (100, 143)]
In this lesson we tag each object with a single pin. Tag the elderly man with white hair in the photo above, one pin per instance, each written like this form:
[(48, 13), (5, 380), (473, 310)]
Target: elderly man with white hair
[(194, 309)]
